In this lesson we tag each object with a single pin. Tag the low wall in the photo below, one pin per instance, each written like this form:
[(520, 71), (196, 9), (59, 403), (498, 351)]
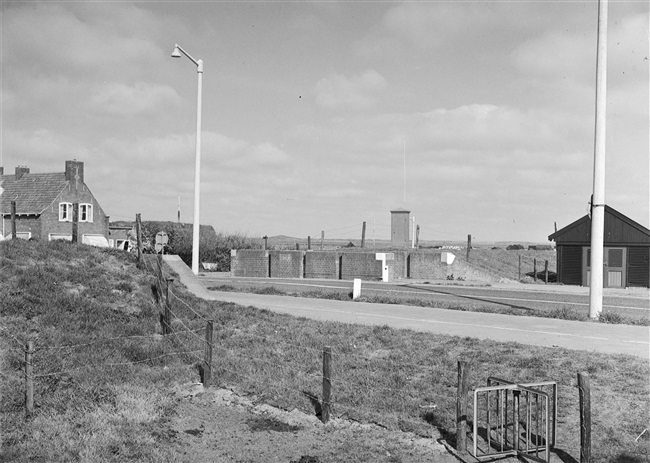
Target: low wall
[(428, 265), (249, 263), (338, 265), (360, 265), (323, 264), (286, 264)]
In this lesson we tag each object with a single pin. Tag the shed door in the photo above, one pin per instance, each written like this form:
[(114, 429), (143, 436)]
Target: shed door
[(614, 271), (614, 263)]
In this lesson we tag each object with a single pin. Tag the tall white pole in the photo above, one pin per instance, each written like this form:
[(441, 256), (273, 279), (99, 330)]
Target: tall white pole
[(413, 233), (197, 174), (598, 201)]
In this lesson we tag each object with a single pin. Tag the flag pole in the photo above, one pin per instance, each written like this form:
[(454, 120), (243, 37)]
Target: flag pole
[(598, 202)]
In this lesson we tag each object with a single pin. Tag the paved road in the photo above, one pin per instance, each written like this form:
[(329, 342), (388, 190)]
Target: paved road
[(632, 303), (548, 332)]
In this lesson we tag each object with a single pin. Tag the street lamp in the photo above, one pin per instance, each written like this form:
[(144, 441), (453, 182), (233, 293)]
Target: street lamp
[(197, 169)]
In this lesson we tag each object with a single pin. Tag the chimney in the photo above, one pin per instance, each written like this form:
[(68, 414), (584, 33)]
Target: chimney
[(20, 171), (74, 170)]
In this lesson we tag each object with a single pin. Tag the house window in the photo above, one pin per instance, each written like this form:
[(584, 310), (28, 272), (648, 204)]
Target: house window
[(60, 236), (65, 212), (85, 212)]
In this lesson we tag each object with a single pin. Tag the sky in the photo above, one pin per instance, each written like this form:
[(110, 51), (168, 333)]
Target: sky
[(477, 116)]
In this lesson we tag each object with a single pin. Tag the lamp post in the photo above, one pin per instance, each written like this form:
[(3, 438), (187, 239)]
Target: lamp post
[(197, 169)]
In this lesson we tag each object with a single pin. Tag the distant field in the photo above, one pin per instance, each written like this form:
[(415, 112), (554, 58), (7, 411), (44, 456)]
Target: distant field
[(501, 263)]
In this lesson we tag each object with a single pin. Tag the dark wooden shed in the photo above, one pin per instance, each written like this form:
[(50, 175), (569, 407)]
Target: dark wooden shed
[(626, 255)]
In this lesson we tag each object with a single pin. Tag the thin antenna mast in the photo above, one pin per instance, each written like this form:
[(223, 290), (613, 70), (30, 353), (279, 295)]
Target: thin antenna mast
[(404, 171)]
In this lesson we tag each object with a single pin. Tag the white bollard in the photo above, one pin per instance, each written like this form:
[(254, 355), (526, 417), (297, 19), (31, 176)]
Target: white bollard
[(356, 289)]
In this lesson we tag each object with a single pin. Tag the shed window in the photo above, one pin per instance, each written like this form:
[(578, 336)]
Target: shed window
[(85, 212), (615, 258), (65, 212)]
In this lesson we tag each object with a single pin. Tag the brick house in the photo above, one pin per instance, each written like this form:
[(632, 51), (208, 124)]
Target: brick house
[(45, 205)]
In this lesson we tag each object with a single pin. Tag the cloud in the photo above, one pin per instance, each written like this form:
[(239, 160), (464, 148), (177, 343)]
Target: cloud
[(57, 38), (426, 25), (556, 55), (357, 92), (125, 100), (469, 129), (155, 170), (42, 150)]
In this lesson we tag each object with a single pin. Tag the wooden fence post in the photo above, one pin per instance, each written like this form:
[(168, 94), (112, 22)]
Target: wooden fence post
[(535, 269), (160, 270), (266, 242), (29, 379), (585, 417), (309, 243), (461, 409), (13, 220), (75, 223), (363, 235), (322, 238), (168, 315), (469, 245), (546, 271), (207, 358), (138, 233), (327, 383)]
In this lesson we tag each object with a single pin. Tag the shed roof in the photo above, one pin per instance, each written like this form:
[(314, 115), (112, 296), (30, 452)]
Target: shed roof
[(619, 230), (33, 193)]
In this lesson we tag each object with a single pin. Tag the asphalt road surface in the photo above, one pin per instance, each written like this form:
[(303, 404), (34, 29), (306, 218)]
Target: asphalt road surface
[(632, 303), (548, 332)]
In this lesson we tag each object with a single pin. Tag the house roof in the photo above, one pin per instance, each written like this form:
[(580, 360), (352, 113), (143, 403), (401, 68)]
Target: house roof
[(33, 193), (618, 229)]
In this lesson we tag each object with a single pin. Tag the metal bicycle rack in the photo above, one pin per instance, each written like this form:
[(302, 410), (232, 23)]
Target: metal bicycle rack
[(514, 419)]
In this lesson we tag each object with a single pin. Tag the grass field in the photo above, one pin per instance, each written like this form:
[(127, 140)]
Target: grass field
[(102, 371)]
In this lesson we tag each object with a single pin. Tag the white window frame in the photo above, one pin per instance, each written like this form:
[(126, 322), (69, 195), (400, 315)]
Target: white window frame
[(65, 212), (24, 235), (85, 212)]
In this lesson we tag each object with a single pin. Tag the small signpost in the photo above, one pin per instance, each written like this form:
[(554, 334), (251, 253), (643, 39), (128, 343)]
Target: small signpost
[(161, 241)]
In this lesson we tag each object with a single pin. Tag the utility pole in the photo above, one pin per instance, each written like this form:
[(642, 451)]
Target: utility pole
[(598, 201)]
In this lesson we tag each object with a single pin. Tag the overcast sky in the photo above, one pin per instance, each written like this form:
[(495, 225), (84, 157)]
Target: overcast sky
[(476, 116)]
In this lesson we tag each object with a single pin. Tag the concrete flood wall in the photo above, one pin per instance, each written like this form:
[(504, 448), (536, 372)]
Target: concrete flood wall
[(340, 265)]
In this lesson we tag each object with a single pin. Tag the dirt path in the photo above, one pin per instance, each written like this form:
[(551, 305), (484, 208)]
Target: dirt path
[(219, 426)]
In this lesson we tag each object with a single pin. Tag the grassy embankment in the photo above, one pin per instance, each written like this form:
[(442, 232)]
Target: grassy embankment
[(103, 375)]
